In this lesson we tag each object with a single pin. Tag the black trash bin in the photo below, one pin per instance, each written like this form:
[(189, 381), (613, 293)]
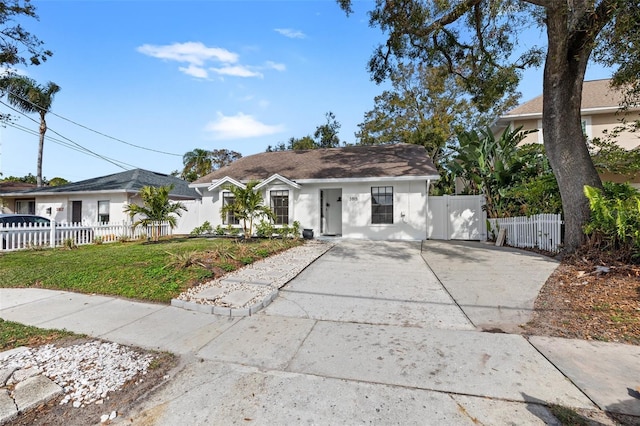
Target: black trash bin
[(307, 234)]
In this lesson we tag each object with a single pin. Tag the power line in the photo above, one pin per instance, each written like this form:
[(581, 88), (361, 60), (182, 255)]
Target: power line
[(95, 131), (66, 144), (67, 139)]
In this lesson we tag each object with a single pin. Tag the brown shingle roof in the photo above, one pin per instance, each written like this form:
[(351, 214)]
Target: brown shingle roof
[(331, 163), (595, 94), (10, 186)]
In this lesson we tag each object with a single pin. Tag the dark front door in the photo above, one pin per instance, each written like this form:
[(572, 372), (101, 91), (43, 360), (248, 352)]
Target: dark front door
[(76, 211)]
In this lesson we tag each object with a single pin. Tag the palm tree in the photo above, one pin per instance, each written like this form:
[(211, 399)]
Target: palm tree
[(28, 96), (247, 205), (197, 163), (157, 208)]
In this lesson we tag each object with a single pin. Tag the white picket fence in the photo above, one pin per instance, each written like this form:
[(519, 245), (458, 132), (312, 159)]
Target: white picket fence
[(542, 231), (25, 236)]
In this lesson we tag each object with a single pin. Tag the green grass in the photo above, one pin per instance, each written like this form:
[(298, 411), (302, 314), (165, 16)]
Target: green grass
[(13, 334), (133, 270)]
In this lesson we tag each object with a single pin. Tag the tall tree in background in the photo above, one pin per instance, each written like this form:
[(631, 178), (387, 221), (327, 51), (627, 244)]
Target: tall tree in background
[(29, 97), (326, 135), (426, 107), (18, 46), (476, 40), (201, 162)]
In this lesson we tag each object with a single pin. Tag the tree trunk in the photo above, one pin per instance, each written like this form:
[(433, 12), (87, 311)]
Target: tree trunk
[(43, 130), (564, 140)]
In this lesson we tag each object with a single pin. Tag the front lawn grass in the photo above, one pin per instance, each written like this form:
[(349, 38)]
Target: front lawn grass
[(13, 334), (154, 272)]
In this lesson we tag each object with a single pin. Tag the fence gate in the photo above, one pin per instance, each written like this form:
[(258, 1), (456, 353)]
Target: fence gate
[(456, 217)]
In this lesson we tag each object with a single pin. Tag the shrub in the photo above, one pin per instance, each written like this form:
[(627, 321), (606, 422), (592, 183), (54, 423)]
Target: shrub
[(205, 228), (219, 231), (614, 224), (98, 239), (69, 244), (264, 229)]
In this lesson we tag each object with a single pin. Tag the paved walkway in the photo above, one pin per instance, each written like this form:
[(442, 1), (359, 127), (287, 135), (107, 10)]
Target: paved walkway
[(367, 333)]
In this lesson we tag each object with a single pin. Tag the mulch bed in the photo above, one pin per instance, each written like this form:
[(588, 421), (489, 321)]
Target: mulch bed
[(591, 297)]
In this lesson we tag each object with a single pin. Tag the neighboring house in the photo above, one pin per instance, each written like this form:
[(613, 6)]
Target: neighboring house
[(376, 192), (600, 112), (100, 199), (25, 206)]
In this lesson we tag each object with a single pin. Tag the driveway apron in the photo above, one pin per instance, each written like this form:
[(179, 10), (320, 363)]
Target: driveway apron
[(371, 282)]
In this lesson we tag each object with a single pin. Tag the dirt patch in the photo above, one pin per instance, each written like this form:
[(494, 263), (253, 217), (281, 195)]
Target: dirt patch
[(121, 401), (590, 297)]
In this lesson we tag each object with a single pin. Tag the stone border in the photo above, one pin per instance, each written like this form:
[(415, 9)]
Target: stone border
[(232, 312)]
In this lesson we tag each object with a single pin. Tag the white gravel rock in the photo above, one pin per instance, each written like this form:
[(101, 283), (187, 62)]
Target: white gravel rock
[(86, 372), (277, 270)]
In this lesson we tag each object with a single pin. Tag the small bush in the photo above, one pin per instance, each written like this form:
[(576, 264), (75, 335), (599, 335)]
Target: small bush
[(205, 228), (614, 224), (69, 244), (264, 229), (219, 231), (98, 240)]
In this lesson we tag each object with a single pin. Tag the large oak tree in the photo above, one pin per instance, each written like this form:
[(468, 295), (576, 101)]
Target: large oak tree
[(480, 41)]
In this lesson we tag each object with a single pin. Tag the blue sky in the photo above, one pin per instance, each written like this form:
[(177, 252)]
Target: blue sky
[(172, 76)]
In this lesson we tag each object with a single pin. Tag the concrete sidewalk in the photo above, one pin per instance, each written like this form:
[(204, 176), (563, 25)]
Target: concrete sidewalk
[(367, 333)]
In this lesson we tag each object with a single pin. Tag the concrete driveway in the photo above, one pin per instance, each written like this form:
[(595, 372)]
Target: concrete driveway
[(371, 282), (366, 334)]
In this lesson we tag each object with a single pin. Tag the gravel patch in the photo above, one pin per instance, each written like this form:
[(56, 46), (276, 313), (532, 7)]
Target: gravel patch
[(260, 278), (86, 372)]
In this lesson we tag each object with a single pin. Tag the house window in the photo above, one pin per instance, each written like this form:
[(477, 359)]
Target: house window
[(280, 206), (586, 127), (26, 206), (229, 219), (103, 211), (381, 204)]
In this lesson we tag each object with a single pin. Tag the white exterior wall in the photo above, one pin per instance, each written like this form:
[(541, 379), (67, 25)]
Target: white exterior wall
[(60, 206), (409, 208)]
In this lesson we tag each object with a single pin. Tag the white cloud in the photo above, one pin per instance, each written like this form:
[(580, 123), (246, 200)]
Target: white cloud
[(240, 126), (276, 66), (194, 53), (291, 33), (236, 71), (195, 71)]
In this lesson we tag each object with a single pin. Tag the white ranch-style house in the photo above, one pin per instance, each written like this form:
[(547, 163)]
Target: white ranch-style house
[(375, 192), (96, 200)]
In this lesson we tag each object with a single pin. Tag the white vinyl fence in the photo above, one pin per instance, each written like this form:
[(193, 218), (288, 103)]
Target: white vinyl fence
[(542, 231), (24, 236)]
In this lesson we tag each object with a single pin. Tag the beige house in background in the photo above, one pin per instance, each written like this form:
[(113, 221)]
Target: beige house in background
[(600, 114)]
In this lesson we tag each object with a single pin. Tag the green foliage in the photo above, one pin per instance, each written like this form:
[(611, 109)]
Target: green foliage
[(30, 97), (265, 229), (614, 224), (156, 208), (201, 162), (16, 41), (610, 157), (56, 181), (136, 270), (325, 136), (13, 335), (247, 205), (488, 165), (69, 244), (424, 107), (219, 231), (205, 228)]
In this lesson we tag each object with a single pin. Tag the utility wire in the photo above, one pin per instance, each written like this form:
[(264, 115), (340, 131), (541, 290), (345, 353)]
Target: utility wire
[(63, 143), (67, 139), (95, 131)]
